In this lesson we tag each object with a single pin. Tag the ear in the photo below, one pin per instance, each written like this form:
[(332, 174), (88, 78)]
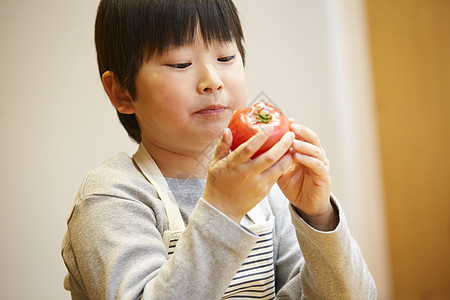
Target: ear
[(119, 96)]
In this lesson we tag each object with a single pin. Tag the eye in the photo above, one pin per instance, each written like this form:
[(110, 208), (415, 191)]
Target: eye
[(180, 66), (226, 58)]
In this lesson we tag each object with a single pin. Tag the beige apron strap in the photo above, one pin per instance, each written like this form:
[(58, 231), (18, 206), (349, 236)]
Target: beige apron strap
[(256, 214), (156, 178)]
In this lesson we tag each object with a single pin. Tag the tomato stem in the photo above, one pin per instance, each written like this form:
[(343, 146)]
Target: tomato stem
[(263, 117)]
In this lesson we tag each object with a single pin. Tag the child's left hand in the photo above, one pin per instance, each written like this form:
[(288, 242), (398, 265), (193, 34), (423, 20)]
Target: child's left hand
[(307, 182)]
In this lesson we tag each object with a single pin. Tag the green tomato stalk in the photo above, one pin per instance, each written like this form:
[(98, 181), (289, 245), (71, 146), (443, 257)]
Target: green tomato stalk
[(263, 117)]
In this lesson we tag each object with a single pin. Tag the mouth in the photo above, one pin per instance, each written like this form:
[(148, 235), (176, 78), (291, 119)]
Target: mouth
[(212, 110)]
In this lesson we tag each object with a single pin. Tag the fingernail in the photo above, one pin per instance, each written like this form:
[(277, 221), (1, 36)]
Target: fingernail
[(226, 134), (291, 136), (295, 127)]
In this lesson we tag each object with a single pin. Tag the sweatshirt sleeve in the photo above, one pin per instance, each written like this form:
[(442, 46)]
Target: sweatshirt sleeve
[(329, 265), (119, 252)]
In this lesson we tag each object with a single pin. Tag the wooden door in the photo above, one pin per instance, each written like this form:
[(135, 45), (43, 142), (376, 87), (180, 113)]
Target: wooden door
[(410, 47)]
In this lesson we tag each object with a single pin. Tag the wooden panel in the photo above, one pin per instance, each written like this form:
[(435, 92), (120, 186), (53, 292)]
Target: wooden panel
[(410, 45)]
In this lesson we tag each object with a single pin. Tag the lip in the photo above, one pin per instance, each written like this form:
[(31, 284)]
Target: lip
[(212, 110)]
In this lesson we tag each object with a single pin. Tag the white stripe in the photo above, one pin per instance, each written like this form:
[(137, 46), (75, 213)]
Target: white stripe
[(255, 278)]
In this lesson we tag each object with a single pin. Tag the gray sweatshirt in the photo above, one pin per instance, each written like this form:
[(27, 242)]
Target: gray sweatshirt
[(113, 247)]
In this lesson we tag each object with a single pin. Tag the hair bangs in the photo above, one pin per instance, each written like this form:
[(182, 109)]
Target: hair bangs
[(176, 23)]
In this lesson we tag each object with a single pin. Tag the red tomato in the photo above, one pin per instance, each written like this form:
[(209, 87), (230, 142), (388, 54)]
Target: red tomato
[(246, 122)]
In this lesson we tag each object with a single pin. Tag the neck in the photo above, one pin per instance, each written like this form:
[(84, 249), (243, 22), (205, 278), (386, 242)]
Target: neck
[(179, 165)]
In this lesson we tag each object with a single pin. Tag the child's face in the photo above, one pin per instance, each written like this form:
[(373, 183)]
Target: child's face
[(186, 96)]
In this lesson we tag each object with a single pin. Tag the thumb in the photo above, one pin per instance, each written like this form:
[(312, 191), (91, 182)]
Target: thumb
[(223, 147)]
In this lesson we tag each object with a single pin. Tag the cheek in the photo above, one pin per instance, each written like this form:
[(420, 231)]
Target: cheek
[(238, 90), (167, 111), (157, 108)]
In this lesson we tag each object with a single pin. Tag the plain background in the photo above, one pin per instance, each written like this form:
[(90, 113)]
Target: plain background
[(410, 46), (309, 56)]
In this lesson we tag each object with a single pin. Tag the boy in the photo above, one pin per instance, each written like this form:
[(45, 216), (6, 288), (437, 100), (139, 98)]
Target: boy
[(160, 225)]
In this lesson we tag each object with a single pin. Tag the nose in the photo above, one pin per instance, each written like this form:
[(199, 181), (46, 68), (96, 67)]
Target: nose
[(209, 80)]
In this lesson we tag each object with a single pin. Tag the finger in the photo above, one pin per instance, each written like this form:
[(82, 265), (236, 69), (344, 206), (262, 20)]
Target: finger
[(305, 134), (271, 156), (275, 171), (246, 150), (310, 150), (315, 165), (223, 146)]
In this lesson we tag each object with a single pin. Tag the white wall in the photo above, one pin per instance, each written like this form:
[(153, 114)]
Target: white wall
[(56, 123)]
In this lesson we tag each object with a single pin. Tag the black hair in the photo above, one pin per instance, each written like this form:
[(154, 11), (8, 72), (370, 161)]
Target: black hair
[(129, 32)]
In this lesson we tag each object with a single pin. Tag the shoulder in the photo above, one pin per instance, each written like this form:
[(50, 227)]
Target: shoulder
[(114, 190), (117, 178)]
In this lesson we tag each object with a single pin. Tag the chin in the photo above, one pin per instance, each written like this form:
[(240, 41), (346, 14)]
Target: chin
[(213, 132)]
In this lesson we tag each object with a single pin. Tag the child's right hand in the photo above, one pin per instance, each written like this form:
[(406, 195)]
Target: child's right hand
[(235, 183)]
